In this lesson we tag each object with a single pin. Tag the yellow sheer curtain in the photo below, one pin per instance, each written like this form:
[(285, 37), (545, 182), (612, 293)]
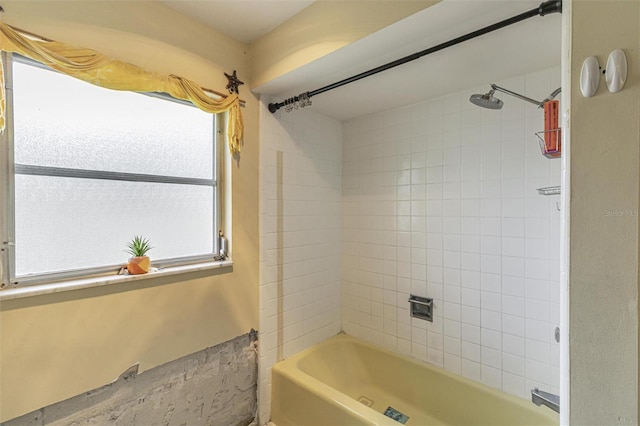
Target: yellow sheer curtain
[(96, 68)]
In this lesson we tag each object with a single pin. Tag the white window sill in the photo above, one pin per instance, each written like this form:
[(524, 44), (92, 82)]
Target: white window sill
[(57, 287)]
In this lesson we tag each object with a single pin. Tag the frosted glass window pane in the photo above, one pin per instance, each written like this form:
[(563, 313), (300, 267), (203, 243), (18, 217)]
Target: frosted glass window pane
[(64, 122), (71, 223)]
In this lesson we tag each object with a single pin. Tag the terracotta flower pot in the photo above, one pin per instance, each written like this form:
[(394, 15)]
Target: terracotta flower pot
[(138, 265)]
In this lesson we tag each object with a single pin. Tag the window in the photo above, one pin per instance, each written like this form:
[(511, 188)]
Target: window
[(87, 168)]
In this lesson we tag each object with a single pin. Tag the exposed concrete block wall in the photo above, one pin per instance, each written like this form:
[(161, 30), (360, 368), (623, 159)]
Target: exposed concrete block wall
[(216, 386)]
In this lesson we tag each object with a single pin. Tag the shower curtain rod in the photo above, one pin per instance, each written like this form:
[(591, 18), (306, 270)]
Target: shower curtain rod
[(545, 8)]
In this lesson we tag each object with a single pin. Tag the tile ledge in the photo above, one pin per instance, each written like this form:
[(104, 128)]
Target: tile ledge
[(58, 287)]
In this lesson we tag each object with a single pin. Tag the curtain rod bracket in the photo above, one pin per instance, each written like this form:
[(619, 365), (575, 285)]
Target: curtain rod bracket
[(545, 8)]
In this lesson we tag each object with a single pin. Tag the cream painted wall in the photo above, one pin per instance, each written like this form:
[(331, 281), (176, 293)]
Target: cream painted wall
[(320, 29), (57, 346), (604, 173)]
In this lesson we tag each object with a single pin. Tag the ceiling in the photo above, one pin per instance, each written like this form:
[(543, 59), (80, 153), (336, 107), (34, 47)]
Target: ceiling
[(525, 47), (516, 50), (242, 20)]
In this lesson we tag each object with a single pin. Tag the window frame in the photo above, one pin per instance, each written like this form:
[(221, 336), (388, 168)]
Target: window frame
[(9, 169)]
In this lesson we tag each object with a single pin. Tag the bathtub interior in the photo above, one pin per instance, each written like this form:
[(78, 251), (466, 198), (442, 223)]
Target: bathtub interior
[(427, 395)]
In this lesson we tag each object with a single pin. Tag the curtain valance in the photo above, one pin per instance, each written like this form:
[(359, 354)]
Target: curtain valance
[(94, 67)]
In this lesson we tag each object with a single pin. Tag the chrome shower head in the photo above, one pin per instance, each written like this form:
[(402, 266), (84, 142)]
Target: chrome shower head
[(487, 100)]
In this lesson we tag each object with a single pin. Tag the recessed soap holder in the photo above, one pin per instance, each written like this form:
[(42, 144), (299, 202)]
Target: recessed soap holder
[(421, 307)]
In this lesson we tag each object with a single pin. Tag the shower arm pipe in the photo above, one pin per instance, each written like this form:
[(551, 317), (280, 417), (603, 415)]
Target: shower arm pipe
[(545, 8), (539, 104)]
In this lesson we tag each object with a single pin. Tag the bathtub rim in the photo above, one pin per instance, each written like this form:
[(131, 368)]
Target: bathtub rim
[(289, 368)]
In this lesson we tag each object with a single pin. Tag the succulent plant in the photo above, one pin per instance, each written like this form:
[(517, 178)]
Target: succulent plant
[(139, 246)]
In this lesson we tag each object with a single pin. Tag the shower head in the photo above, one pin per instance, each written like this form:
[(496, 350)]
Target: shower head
[(487, 100)]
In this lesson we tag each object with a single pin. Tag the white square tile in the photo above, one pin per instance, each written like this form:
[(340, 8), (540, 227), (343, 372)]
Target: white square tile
[(491, 357), (514, 345), (452, 311), (491, 189), (470, 315), (452, 329), (513, 364), (470, 351), (490, 264), (491, 376), (404, 346), (434, 207), (538, 351), (452, 346), (491, 282), (418, 336), (470, 186), (491, 207), (452, 277), (470, 243), (513, 384), (539, 330), (451, 243), (491, 226), (513, 266), (537, 309), (470, 226), (513, 286), (490, 301), (491, 338), (491, 245), (451, 259), (491, 169), (452, 294), (470, 207), (471, 172), (513, 324), (491, 320), (471, 369), (537, 289), (436, 291), (470, 297), (451, 208), (513, 207), (470, 279), (513, 227), (537, 371), (513, 305), (470, 262), (435, 341), (419, 351), (537, 269), (434, 174), (470, 333), (435, 357), (513, 247), (452, 363)]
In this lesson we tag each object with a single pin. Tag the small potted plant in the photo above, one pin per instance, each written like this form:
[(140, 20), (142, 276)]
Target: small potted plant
[(139, 262)]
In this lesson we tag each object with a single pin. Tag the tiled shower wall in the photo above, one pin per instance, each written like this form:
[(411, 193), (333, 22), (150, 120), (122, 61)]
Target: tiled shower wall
[(440, 200), (300, 233)]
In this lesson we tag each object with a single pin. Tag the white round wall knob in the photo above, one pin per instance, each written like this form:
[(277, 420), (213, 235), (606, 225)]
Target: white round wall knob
[(616, 73), (590, 77)]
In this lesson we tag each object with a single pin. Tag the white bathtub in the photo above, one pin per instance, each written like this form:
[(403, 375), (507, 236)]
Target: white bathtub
[(345, 381)]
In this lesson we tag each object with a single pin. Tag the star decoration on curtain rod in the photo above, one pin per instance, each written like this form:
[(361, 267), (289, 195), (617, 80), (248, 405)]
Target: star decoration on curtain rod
[(234, 82)]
